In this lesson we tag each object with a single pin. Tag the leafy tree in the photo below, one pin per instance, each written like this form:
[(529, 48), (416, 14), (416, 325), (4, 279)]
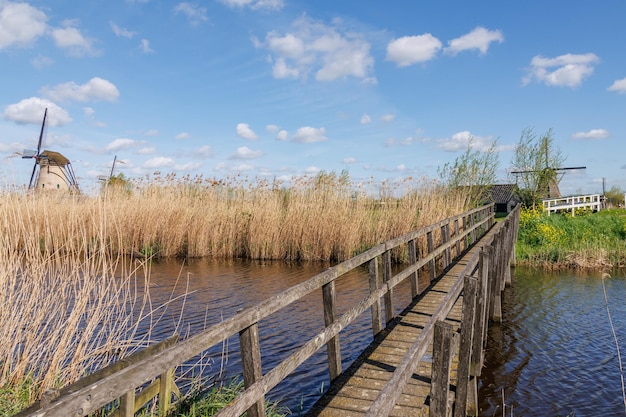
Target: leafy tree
[(117, 183), (472, 173), (614, 197), (536, 160)]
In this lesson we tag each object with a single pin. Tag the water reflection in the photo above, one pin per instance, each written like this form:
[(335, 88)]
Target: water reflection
[(554, 353)]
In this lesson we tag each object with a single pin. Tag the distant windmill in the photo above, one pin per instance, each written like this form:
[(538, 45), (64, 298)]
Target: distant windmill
[(55, 170), (548, 181)]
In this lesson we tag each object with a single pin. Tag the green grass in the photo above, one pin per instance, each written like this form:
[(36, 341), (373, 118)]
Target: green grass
[(587, 241), (206, 402)]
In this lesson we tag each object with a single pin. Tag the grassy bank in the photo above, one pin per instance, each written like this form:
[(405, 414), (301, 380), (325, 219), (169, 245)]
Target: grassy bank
[(73, 303), (586, 241)]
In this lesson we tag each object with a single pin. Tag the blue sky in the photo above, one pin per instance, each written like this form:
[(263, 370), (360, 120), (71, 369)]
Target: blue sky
[(283, 88)]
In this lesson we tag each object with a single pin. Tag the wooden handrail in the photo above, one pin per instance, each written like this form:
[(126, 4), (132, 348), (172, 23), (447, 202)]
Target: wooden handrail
[(110, 387), (388, 396)]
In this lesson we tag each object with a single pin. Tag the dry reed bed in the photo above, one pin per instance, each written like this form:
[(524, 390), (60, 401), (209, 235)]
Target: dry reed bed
[(319, 218), (64, 314), (71, 303)]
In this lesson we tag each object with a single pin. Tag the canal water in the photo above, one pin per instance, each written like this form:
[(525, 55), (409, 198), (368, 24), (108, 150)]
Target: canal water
[(553, 355)]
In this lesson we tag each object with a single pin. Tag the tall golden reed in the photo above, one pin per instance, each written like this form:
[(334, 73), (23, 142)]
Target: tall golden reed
[(70, 300), (69, 305), (325, 217)]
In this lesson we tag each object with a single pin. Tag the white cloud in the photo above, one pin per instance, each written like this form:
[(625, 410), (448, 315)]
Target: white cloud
[(244, 152), (388, 118), (144, 45), (280, 70), (411, 50), (618, 86), (121, 32), (282, 135), (365, 119), (567, 70), (256, 4), (31, 110), (41, 61), (405, 142), (203, 152), (182, 135), (593, 134), (310, 135), (188, 166), (349, 160), (311, 46), (148, 150), (90, 114), (479, 38), (195, 14), (152, 132), (244, 131), (159, 162), (272, 129), (20, 24), (72, 40), (459, 142), (312, 170), (120, 143), (242, 168), (96, 89), (89, 111)]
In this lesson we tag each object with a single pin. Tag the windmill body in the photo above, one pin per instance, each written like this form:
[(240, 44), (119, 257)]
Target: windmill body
[(52, 170)]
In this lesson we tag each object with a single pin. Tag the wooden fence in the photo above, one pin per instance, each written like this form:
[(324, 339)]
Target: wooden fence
[(431, 249)]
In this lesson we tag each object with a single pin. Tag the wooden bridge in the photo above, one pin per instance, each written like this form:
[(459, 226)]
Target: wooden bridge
[(424, 361)]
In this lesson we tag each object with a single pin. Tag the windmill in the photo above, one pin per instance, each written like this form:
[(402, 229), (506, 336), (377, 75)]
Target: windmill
[(55, 170), (548, 178)]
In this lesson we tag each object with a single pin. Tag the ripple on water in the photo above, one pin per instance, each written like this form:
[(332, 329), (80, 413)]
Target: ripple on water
[(554, 354)]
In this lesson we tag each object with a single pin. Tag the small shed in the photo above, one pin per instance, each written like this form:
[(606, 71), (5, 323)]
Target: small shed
[(505, 197)]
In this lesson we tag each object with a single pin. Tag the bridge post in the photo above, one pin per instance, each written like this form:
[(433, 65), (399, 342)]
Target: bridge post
[(482, 308), (332, 346), (165, 391), (127, 404), (508, 244), (415, 290), (470, 288), (495, 280), (251, 364), (473, 232), (445, 238), (389, 294), (374, 279), (440, 373), (430, 246), (456, 236)]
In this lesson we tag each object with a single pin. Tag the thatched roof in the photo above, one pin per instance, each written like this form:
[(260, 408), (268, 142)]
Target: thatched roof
[(55, 158)]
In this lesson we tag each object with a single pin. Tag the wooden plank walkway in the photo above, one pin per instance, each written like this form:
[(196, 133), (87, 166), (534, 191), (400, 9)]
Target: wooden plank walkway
[(354, 391)]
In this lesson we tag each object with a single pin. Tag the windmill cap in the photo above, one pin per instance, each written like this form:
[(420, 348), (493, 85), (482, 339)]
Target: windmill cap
[(55, 158)]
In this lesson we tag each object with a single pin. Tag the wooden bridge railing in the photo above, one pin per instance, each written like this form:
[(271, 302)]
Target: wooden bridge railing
[(430, 248), (482, 281)]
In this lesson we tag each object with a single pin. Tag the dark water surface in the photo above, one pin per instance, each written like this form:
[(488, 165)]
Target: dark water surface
[(218, 289), (553, 355)]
